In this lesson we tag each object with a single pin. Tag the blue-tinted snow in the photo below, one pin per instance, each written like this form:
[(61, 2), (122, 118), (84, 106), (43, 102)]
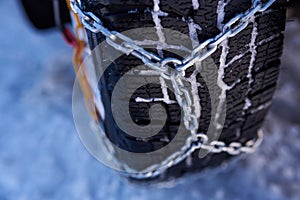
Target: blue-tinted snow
[(41, 156)]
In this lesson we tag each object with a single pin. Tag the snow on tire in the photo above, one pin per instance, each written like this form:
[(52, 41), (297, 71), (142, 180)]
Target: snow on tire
[(248, 67)]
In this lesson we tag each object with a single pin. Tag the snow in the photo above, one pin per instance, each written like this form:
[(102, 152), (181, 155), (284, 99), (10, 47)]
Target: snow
[(193, 27), (195, 4), (221, 84), (253, 50), (194, 91), (167, 101), (159, 28), (221, 12), (164, 89), (162, 40), (41, 156)]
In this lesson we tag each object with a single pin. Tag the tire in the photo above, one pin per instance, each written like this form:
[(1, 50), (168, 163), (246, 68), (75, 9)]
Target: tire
[(243, 119), (41, 14)]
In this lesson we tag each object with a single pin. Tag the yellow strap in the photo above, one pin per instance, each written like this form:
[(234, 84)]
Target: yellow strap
[(77, 62)]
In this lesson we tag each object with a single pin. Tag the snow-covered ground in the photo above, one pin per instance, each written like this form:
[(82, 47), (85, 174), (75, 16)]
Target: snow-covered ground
[(41, 156)]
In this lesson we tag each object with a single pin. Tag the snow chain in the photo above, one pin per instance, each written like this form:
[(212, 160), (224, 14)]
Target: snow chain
[(163, 65)]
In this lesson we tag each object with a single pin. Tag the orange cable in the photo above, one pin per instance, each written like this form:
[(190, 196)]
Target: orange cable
[(77, 62)]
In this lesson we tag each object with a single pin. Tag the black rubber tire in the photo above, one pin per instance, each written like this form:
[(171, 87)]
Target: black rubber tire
[(41, 13), (241, 124)]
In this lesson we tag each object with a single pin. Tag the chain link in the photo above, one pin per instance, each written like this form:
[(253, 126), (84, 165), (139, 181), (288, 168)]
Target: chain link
[(165, 67), (230, 29)]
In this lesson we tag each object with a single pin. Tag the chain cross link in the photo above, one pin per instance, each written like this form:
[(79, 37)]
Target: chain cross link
[(163, 66)]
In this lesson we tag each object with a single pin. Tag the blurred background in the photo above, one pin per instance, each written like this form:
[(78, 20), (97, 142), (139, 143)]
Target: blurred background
[(41, 156)]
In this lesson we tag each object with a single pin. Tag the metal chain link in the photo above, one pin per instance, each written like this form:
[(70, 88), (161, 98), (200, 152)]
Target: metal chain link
[(234, 148), (164, 67)]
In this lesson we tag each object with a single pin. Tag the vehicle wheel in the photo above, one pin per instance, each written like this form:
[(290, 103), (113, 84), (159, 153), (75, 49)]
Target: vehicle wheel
[(253, 60)]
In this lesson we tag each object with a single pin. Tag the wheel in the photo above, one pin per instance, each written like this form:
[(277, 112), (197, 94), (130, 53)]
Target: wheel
[(252, 60)]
